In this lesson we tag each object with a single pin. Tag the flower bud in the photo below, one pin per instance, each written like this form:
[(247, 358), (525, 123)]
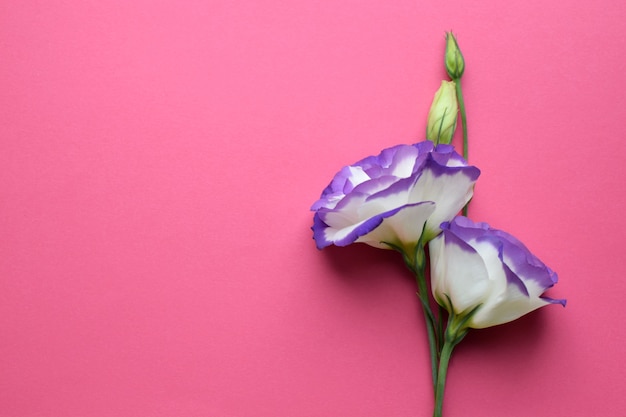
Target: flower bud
[(443, 113), (455, 65)]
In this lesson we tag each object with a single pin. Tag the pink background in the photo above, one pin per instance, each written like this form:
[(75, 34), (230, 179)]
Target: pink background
[(157, 164)]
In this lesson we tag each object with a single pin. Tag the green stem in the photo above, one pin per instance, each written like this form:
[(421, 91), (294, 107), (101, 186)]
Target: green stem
[(415, 260), (430, 321), (459, 96), (439, 323), (446, 353), (455, 332)]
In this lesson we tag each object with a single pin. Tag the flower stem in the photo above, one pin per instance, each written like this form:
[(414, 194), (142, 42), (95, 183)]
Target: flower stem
[(455, 332), (433, 341), (446, 353), (415, 260), (459, 97)]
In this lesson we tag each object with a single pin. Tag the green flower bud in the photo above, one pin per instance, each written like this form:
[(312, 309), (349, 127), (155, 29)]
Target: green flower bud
[(455, 65), (442, 115)]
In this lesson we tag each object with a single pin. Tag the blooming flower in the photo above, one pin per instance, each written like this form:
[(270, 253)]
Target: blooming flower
[(387, 199), (487, 271), (442, 114)]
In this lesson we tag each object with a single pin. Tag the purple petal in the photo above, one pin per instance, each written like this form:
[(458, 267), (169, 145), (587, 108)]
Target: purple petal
[(515, 255), (435, 164), (561, 301), (520, 264)]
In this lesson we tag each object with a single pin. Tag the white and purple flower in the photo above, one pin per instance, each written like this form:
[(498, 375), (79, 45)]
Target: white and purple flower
[(477, 268), (386, 199)]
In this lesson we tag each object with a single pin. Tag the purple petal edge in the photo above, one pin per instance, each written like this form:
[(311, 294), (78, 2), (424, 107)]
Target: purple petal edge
[(561, 301), (524, 264), (367, 226)]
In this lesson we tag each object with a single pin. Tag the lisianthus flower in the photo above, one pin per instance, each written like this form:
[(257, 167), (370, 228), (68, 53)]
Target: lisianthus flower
[(478, 269), (385, 200)]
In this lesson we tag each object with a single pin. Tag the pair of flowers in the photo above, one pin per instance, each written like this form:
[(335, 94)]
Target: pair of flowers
[(407, 198), (409, 195)]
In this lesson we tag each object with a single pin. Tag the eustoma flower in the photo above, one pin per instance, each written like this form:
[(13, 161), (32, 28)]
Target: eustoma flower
[(387, 199), (478, 269), (483, 277)]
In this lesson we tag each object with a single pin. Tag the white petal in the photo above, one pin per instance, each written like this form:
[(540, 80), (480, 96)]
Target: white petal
[(506, 307), (450, 192), (495, 271), (506, 301), (404, 228), (338, 234), (459, 273), (348, 214), (404, 161), (356, 175)]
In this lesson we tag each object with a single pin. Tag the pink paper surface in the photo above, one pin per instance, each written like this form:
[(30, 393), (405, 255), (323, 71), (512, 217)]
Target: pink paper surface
[(157, 164)]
